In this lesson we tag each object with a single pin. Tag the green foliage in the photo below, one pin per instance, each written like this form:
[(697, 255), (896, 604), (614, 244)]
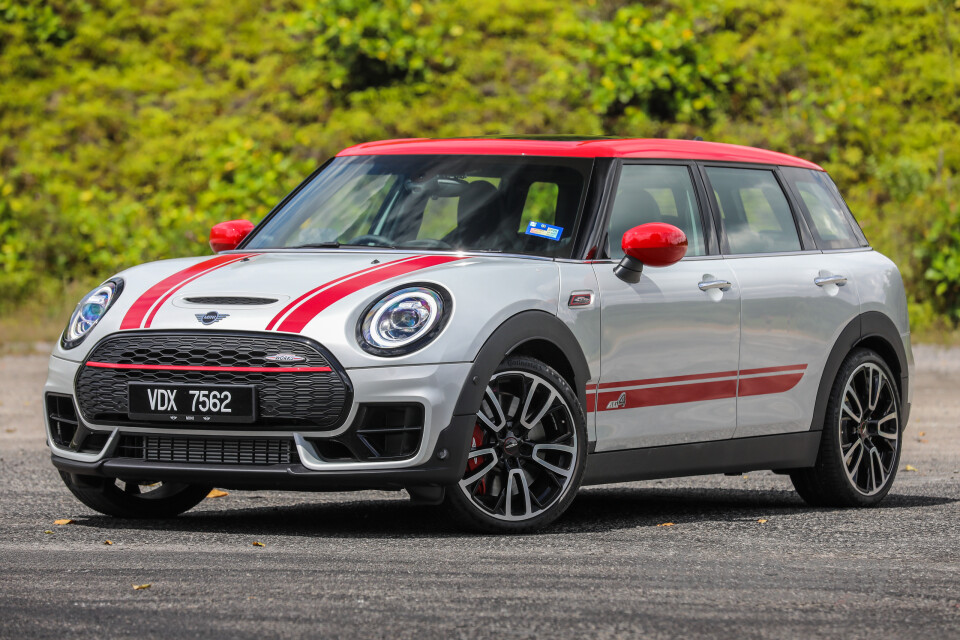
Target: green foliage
[(129, 127)]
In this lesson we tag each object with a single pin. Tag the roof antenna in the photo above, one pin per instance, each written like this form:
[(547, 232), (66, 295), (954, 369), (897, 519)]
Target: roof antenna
[(698, 139)]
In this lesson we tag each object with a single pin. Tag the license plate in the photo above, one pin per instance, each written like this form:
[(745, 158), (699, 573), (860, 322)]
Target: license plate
[(191, 403)]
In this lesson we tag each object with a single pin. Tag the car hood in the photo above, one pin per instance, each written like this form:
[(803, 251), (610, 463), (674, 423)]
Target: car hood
[(322, 294)]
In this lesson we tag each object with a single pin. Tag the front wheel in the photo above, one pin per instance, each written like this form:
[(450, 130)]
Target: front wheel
[(134, 498), (528, 451), (861, 440)]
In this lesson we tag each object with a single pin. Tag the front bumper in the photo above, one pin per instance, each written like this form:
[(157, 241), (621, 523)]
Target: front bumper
[(439, 460), (452, 443)]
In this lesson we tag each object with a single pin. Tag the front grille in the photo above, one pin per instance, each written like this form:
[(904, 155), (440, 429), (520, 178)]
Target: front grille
[(314, 400), (235, 301), (259, 451)]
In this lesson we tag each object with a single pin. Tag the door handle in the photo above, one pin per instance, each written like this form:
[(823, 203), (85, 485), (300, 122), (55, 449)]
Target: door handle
[(824, 280), (723, 285)]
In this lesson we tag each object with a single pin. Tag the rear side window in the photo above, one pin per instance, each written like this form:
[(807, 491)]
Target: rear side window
[(754, 210), (655, 193), (832, 224)]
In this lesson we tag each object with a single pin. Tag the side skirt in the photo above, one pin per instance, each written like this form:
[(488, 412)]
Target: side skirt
[(778, 452)]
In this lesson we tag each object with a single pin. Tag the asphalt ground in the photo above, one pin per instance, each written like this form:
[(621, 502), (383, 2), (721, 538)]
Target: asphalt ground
[(744, 558)]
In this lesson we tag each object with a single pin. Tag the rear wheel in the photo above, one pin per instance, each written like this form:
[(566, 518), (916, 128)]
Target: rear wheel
[(861, 441), (134, 498), (528, 451)]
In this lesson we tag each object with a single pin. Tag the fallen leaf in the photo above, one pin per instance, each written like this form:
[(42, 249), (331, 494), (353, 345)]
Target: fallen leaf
[(141, 587), (922, 433), (216, 493), (665, 524), (108, 542), (910, 467), (258, 544), (48, 531), (63, 521), (745, 476), (11, 430), (761, 520), (922, 440)]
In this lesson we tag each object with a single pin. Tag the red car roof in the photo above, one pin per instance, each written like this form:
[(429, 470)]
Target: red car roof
[(580, 148)]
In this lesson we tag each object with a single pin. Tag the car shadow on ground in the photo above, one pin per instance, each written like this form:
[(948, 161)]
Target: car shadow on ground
[(594, 510)]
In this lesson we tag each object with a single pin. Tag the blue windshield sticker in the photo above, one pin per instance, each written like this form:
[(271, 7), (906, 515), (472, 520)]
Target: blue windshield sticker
[(544, 230)]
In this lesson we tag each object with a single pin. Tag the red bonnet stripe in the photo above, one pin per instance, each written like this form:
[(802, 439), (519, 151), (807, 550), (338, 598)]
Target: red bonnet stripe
[(141, 307), (328, 295)]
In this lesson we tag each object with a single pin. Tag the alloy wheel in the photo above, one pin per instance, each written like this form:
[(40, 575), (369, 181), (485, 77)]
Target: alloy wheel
[(869, 429), (524, 448)]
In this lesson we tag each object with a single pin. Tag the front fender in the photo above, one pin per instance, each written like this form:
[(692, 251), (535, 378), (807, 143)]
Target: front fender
[(508, 337)]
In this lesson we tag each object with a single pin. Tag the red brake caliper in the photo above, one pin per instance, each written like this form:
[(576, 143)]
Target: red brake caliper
[(473, 463)]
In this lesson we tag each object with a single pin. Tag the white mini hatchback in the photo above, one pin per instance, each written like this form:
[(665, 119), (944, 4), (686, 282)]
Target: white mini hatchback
[(491, 324)]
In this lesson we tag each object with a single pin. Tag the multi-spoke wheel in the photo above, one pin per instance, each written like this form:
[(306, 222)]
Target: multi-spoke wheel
[(528, 450), (134, 498), (861, 442)]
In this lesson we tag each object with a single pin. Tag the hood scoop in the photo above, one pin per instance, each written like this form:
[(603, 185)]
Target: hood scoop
[(229, 301)]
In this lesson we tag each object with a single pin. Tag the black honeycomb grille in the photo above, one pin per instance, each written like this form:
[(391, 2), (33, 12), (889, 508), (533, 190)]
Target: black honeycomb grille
[(316, 400), (254, 451)]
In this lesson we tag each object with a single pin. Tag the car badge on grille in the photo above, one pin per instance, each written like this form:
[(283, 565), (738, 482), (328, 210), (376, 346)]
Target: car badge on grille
[(284, 357), (210, 317)]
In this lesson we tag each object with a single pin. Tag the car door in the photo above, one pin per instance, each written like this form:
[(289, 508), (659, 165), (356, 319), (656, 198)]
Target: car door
[(795, 299), (669, 343)]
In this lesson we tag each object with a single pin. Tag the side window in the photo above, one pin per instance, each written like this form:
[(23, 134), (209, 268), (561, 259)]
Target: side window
[(830, 222), (655, 193), (755, 212)]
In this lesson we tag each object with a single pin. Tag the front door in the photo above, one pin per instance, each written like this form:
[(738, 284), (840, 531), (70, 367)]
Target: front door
[(670, 343)]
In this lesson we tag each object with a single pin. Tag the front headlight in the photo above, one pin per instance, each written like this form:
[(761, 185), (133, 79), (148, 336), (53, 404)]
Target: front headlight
[(92, 307), (404, 320)]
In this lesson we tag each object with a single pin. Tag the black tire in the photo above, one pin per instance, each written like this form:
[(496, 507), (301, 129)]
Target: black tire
[(835, 482), (558, 434), (161, 500)]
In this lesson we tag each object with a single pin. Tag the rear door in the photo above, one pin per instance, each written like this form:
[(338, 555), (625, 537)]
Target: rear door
[(795, 299), (669, 344)]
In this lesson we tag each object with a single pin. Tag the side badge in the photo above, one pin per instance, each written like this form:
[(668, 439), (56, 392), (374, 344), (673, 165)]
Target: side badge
[(580, 299), (619, 403)]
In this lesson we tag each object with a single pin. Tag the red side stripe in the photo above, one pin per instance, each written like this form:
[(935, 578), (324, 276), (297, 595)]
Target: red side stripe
[(141, 307), (179, 367), (652, 396), (770, 384), (327, 285), (311, 307)]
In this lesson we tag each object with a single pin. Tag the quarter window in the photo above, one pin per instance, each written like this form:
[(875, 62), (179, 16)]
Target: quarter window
[(755, 213), (831, 224), (655, 193)]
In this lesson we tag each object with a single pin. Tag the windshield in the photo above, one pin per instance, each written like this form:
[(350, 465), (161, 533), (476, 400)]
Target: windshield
[(457, 203)]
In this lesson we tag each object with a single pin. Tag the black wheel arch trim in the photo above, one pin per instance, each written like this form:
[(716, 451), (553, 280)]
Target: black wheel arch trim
[(517, 330), (871, 324)]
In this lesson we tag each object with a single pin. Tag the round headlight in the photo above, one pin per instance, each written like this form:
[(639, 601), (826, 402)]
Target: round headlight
[(88, 313), (403, 321)]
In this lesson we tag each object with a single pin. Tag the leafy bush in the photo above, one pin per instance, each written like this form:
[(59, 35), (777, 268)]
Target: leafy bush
[(129, 127)]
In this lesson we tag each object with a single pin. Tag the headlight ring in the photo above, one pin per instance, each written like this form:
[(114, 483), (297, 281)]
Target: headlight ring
[(404, 320), (90, 311)]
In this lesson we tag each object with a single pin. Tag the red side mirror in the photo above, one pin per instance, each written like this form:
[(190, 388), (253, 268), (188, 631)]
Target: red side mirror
[(227, 235), (655, 244)]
